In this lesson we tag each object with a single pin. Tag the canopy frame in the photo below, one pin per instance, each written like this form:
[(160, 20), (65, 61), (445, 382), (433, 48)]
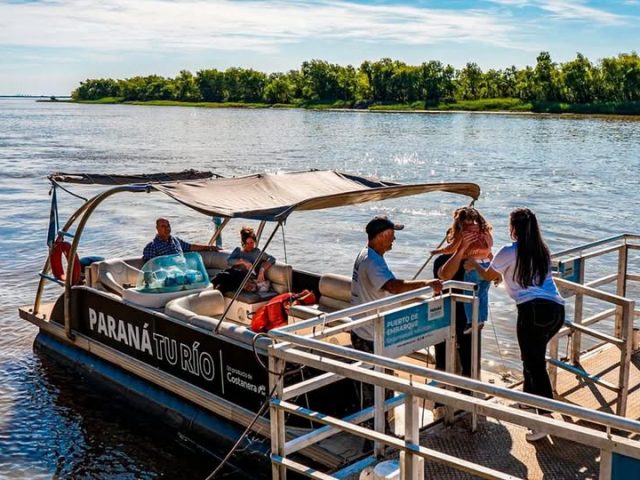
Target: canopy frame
[(371, 190)]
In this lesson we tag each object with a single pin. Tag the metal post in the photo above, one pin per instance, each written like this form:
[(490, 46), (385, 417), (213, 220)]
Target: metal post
[(621, 287), (576, 336), (475, 353), (276, 415), (628, 312), (451, 351), (606, 464), (216, 238), (378, 391), (411, 467)]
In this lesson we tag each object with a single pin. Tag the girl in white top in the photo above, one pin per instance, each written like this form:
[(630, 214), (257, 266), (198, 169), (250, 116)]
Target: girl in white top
[(525, 266)]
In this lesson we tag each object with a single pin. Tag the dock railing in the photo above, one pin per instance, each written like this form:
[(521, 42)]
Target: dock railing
[(411, 384), (570, 266)]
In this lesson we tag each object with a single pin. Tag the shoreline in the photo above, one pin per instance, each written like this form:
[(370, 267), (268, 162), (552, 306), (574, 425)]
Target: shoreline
[(322, 108)]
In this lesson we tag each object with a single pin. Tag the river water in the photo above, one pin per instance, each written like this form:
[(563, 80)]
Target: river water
[(580, 175)]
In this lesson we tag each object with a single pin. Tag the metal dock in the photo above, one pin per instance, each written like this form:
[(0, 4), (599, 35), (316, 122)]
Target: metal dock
[(593, 432)]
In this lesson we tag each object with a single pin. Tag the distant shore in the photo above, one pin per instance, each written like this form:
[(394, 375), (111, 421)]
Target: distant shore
[(496, 105)]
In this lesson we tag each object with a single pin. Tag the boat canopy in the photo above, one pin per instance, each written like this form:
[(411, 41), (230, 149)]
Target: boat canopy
[(273, 197), (109, 179)]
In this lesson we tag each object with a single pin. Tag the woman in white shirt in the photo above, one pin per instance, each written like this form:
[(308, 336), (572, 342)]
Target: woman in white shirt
[(525, 266)]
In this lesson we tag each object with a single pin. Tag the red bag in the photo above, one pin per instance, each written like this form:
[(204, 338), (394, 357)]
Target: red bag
[(275, 313)]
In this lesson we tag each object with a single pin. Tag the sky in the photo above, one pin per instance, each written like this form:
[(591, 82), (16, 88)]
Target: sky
[(47, 47)]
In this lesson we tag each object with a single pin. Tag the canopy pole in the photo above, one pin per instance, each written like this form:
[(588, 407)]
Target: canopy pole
[(428, 259), (259, 232), (214, 238), (247, 276), (88, 208)]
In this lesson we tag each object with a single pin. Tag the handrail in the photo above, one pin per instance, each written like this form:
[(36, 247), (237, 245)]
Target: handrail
[(623, 309), (592, 292), (280, 354), (607, 419), (376, 304), (587, 246)]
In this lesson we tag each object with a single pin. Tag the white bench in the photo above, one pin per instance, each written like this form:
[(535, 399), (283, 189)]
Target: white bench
[(335, 294)]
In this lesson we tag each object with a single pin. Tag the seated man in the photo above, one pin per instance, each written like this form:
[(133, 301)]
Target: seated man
[(165, 244)]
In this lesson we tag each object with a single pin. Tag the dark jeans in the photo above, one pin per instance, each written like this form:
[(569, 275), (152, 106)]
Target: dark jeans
[(538, 321)]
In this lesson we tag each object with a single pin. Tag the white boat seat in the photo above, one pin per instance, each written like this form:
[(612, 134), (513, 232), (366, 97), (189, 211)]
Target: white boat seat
[(157, 300), (335, 294), (198, 308), (215, 262), (280, 275), (117, 274)]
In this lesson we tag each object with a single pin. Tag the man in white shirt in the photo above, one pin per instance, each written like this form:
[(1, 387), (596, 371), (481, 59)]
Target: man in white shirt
[(372, 278)]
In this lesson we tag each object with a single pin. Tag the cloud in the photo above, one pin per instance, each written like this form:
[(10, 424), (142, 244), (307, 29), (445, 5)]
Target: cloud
[(152, 25), (568, 10)]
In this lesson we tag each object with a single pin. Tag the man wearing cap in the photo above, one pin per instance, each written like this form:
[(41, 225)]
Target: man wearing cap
[(372, 278)]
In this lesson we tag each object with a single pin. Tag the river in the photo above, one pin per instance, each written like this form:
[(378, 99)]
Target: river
[(580, 175)]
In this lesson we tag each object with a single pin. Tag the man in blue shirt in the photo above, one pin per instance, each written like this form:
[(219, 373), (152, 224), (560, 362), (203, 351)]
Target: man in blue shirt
[(165, 244)]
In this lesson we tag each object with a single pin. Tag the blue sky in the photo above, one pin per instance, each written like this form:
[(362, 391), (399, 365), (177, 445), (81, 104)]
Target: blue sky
[(49, 46)]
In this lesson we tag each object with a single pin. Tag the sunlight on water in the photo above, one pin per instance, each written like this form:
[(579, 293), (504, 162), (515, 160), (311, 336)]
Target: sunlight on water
[(579, 175)]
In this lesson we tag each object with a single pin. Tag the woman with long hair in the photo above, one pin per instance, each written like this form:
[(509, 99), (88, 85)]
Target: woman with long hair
[(525, 266)]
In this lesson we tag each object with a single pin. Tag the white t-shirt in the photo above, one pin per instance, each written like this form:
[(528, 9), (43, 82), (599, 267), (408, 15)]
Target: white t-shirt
[(370, 273), (505, 263)]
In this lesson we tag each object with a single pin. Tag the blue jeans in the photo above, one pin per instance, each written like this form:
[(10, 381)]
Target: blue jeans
[(482, 294)]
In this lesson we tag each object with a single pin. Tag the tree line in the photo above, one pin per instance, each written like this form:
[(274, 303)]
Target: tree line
[(579, 81)]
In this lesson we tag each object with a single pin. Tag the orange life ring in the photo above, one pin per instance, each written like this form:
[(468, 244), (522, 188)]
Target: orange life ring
[(60, 248)]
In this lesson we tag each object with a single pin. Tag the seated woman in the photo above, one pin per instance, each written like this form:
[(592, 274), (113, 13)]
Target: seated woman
[(241, 261)]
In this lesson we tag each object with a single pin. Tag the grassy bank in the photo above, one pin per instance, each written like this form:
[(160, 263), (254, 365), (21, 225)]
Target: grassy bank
[(483, 105)]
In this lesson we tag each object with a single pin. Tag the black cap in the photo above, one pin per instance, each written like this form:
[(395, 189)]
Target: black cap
[(380, 224)]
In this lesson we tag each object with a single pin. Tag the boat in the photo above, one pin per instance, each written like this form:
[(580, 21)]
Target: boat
[(159, 331)]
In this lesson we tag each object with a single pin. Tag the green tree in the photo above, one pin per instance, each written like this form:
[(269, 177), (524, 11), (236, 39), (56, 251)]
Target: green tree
[(96, 89), (211, 85), (243, 85), (545, 79), (630, 67), (404, 84), (469, 82), (379, 75), (279, 89), (186, 87), (437, 81), (577, 80)]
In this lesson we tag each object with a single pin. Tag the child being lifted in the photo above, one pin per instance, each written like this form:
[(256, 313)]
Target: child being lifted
[(468, 219)]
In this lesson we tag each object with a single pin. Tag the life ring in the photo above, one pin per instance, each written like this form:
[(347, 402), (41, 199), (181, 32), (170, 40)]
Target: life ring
[(60, 248)]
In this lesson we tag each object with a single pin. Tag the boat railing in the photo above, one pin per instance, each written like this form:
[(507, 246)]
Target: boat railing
[(570, 276), (412, 385)]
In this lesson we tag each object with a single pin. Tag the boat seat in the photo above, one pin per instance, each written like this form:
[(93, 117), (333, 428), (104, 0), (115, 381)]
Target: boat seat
[(215, 262), (335, 294), (117, 274), (157, 300), (280, 275), (198, 308)]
